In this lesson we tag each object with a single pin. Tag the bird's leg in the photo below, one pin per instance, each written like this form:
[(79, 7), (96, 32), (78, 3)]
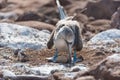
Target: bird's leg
[(55, 56), (74, 57), (70, 52)]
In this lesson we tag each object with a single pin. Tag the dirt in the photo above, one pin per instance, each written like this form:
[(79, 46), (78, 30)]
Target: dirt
[(90, 56)]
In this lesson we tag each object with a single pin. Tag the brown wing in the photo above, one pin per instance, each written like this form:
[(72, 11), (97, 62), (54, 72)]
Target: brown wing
[(78, 44), (50, 42)]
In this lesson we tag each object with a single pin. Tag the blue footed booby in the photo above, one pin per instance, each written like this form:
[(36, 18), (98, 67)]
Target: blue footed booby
[(66, 36)]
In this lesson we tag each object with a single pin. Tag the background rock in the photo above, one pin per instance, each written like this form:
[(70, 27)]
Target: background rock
[(107, 36), (90, 29), (16, 36), (3, 3), (28, 16), (108, 69), (99, 9), (7, 73), (86, 78), (37, 25)]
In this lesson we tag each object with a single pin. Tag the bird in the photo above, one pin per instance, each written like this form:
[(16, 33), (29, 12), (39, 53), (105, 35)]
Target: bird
[(66, 36)]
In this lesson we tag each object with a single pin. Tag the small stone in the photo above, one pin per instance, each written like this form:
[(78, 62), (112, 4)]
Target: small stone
[(80, 58), (53, 71), (86, 78), (99, 53), (1, 74), (75, 69), (22, 56), (58, 75), (62, 59)]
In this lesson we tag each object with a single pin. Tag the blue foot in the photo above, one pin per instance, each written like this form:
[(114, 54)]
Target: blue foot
[(74, 57), (55, 56)]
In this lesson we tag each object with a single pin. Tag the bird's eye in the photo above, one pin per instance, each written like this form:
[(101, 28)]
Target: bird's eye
[(62, 25)]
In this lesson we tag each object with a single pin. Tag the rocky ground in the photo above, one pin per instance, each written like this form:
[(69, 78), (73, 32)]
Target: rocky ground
[(26, 23)]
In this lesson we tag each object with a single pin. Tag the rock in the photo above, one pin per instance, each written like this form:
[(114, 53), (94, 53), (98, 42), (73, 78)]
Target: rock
[(44, 69), (21, 37), (108, 69), (79, 67), (3, 3), (86, 78), (99, 10), (106, 37), (70, 74), (87, 35), (76, 7), (7, 73), (61, 76), (62, 59), (115, 19), (28, 77), (22, 56), (4, 62), (98, 25), (5, 16), (28, 16), (16, 52), (75, 69), (94, 27), (34, 70), (20, 65), (50, 15), (26, 6), (37, 25), (98, 53), (66, 2), (1, 74), (82, 18), (116, 49), (58, 75)]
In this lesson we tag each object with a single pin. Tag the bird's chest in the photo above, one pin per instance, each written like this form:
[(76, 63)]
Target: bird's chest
[(63, 37), (60, 44)]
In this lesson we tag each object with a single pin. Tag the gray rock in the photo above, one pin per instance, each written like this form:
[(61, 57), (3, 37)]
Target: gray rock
[(7, 73), (44, 69), (4, 16), (108, 69), (107, 36), (79, 67), (22, 37), (86, 78), (3, 3)]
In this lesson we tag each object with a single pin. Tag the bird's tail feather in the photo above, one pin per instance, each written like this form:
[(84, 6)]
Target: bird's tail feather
[(62, 13)]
